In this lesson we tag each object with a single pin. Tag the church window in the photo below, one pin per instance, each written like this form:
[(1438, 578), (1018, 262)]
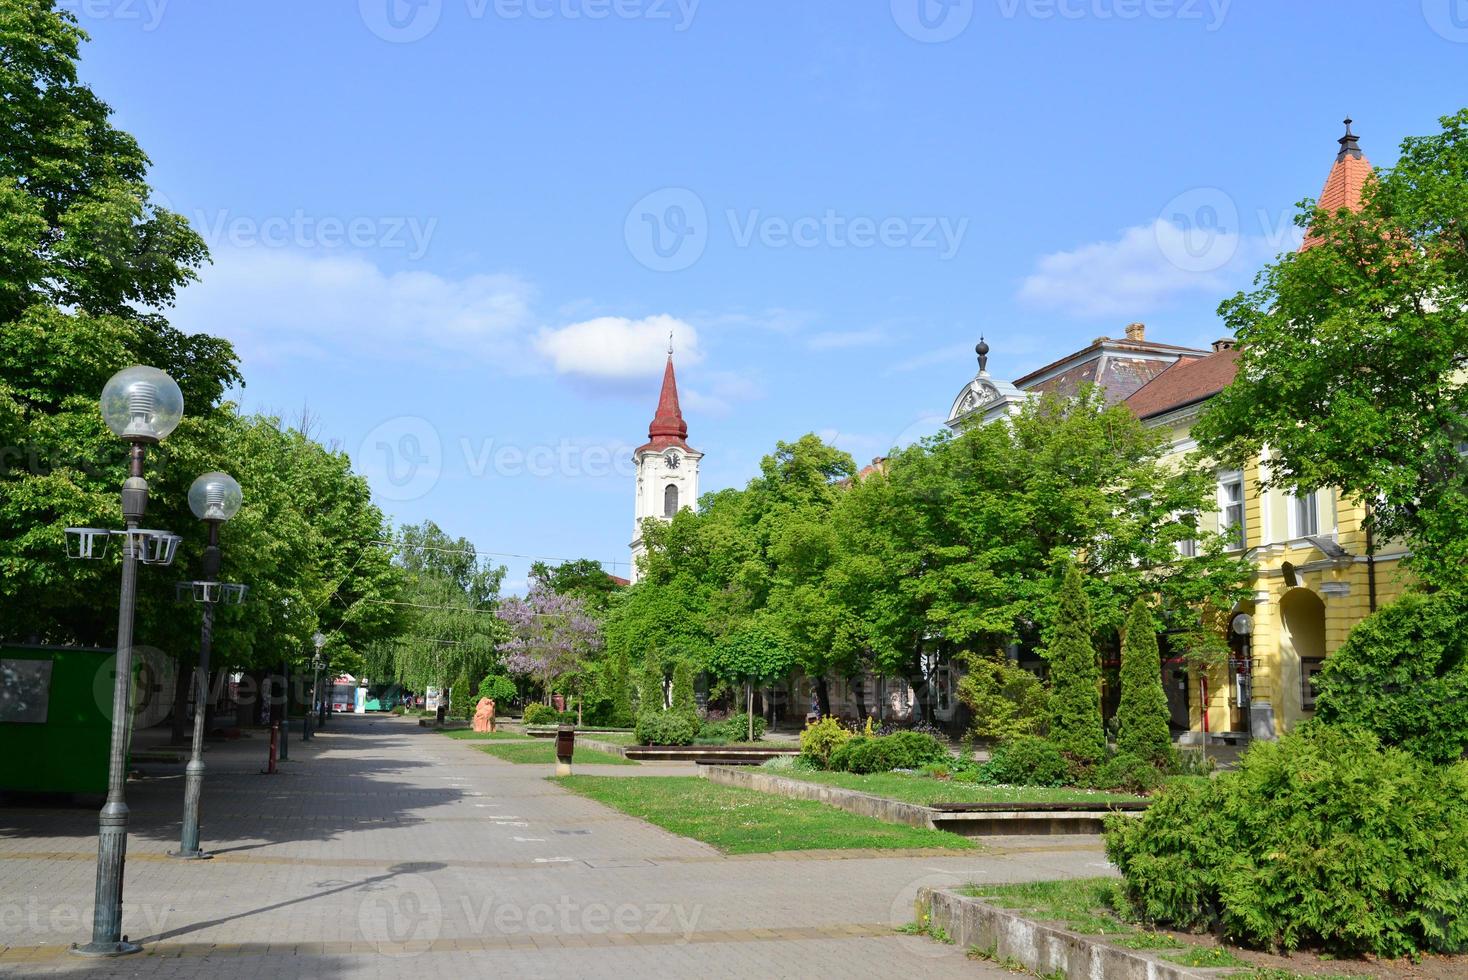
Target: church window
[(670, 500)]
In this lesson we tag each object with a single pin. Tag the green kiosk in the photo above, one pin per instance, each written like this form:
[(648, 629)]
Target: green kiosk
[(55, 719)]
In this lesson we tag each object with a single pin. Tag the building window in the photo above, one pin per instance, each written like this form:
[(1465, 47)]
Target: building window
[(1309, 674), (1307, 516), (1231, 502), (670, 500)]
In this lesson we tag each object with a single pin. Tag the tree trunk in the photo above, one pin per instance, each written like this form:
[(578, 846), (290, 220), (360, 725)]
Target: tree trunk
[(859, 688), (823, 696)]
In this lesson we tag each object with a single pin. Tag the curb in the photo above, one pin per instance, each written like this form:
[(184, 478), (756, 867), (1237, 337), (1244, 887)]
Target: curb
[(964, 823), (1043, 949)]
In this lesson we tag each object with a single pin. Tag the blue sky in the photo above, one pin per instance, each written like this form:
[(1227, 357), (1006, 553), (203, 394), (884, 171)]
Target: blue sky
[(459, 231)]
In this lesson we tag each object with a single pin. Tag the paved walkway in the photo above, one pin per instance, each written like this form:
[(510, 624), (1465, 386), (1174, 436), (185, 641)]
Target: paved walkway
[(383, 849)]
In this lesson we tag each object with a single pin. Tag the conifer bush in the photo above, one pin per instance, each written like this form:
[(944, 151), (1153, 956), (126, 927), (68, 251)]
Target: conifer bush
[(666, 728), (1026, 761), (1142, 715), (684, 701), (650, 697), (1403, 673), (622, 714), (1323, 839), (541, 714), (1075, 676)]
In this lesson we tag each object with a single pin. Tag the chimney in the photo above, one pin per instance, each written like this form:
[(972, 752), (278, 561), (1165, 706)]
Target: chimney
[(1136, 332), (1224, 343)]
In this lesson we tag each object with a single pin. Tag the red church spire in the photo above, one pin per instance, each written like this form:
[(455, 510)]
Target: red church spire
[(668, 428)]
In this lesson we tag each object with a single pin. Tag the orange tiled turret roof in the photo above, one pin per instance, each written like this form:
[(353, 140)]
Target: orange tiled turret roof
[(1347, 180)]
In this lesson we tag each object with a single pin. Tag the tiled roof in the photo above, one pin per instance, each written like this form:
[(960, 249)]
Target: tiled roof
[(1188, 381), (1347, 180)]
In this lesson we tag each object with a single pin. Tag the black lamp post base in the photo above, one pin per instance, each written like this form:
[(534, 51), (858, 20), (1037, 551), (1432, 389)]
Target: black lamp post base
[(120, 948), (199, 855)]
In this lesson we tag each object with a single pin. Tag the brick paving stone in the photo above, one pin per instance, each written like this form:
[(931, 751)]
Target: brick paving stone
[(385, 850)]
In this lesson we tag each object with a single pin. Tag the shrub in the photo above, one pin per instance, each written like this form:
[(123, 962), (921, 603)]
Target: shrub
[(1403, 673), (1075, 675), (541, 714), (461, 697), (1126, 771), (823, 737), (499, 688), (1323, 838), (883, 753), (735, 728), (684, 701), (1006, 700), (1027, 761), (666, 728), (650, 693), (1142, 715)]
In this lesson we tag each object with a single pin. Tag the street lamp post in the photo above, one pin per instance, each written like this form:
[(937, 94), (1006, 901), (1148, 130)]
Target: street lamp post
[(214, 498), (141, 405), (285, 709), (317, 695)]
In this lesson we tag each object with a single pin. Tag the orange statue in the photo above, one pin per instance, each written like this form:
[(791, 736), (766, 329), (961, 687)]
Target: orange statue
[(484, 715)]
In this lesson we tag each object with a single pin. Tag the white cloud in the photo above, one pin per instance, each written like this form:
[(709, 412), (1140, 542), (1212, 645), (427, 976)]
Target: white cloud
[(277, 303), (617, 348), (1145, 268)]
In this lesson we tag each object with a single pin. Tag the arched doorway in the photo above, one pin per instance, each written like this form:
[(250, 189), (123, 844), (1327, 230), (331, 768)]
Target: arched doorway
[(1301, 648)]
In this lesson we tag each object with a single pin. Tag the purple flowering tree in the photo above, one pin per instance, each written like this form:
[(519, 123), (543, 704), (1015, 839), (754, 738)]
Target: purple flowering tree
[(551, 637)]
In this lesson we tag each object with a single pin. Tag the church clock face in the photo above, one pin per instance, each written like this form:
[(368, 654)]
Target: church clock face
[(673, 460)]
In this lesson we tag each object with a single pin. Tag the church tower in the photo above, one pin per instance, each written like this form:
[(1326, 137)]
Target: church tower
[(667, 467)]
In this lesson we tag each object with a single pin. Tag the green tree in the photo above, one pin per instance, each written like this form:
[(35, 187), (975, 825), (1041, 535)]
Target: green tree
[(683, 699), (1075, 675), (1352, 355), (1007, 701), (1142, 715), (584, 578)]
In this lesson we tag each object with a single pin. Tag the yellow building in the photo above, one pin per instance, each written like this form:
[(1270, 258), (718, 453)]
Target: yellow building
[(1317, 573)]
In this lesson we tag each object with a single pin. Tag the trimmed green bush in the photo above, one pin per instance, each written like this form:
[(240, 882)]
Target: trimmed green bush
[(541, 714), (883, 753), (1403, 673), (461, 697), (1126, 771), (666, 728), (1075, 675), (735, 728), (1324, 838), (823, 737), (1142, 715), (1026, 761)]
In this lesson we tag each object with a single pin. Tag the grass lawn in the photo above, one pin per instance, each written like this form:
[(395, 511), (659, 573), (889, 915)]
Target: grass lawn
[(1085, 905), (740, 821), (543, 752), (616, 738), (469, 735), (926, 790)]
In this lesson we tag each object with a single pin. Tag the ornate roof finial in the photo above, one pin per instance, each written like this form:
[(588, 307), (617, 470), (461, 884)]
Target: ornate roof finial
[(1349, 145), (982, 349), (670, 343)]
